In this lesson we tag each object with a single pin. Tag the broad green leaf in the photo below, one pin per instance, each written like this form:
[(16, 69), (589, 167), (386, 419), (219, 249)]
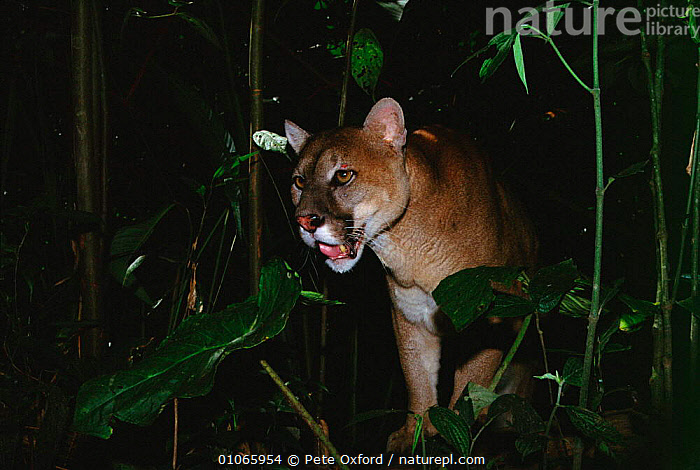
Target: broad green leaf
[(507, 305), (466, 294), (481, 397), (452, 427), (126, 244), (185, 362), (519, 61), (308, 297), (132, 267), (574, 305), (528, 444), (503, 43), (573, 371), (641, 310), (524, 417), (230, 167), (592, 424), (268, 140), (367, 60), (694, 26), (465, 408), (605, 336), (202, 27), (551, 283)]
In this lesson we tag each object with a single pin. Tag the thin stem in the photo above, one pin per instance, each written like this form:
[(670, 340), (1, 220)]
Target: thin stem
[(301, 411), (348, 64), (551, 420), (550, 41), (486, 424), (511, 353), (255, 196), (540, 334), (695, 248), (175, 428)]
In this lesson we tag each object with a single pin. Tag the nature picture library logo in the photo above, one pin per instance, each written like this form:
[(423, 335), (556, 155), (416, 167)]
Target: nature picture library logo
[(661, 20)]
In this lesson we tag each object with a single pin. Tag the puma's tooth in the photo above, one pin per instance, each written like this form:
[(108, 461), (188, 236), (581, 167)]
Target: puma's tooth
[(343, 249)]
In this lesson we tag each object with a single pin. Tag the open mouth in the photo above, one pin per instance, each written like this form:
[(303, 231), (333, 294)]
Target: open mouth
[(348, 249)]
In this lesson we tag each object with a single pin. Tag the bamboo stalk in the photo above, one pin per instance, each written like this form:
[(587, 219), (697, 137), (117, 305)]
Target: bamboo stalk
[(594, 313), (695, 247), (87, 175), (348, 64), (256, 123), (661, 377)]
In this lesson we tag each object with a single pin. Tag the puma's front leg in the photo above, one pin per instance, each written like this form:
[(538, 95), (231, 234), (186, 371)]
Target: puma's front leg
[(419, 352)]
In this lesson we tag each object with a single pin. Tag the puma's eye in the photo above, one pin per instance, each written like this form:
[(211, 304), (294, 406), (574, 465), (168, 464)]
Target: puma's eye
[(342, 177), (299, 182)]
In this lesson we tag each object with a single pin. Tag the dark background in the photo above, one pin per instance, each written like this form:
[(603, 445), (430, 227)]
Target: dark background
[(542, 144)]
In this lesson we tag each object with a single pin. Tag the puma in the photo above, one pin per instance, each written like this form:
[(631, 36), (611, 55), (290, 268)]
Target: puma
[(428, 205)]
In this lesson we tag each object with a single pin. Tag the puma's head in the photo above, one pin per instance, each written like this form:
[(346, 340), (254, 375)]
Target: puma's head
[(350, 183)]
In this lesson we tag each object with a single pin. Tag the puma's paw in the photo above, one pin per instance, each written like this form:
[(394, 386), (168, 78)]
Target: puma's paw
[(400, 441)]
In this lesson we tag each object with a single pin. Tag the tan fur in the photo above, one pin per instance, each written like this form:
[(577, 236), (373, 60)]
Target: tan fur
[(428, 209)]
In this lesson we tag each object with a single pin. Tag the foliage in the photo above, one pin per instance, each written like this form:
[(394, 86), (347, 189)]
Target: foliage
[(185, 363)]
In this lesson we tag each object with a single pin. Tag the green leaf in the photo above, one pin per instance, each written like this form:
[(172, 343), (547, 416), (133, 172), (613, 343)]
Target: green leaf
[(126, 244), (641, 310), (185, 362), (481, 397), (270, 141), (549, 376), (519, 61), (452, 427), (466, 294), (316, 298), (605, 336), (691, 304), (632, 170), (575, 305), (524, 417), (551, 283), (417, 432), (367, 60), (507, 305), (530, 443), (230, 167), (503, 43), (573, 371), (592, 424), (201, 27), (465, 408), (693, 23), (553, 15)]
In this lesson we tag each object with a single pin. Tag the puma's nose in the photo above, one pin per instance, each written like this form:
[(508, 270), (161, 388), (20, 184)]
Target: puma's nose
[(310, 222)]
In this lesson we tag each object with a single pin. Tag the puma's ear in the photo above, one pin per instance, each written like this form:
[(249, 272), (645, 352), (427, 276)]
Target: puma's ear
[(386, 119), (296, 136)]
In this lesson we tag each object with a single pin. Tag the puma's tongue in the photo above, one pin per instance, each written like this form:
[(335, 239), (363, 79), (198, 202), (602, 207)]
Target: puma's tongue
[(337, 251)]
